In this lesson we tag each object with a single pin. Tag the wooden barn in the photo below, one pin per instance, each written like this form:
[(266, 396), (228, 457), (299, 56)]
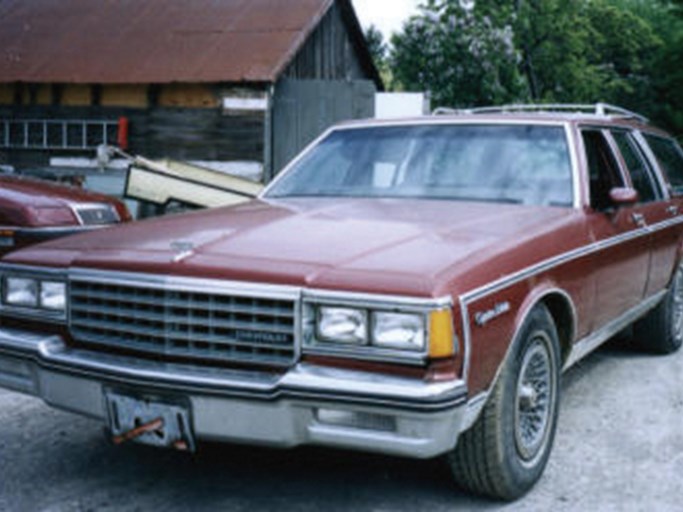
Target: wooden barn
[(237, 85)]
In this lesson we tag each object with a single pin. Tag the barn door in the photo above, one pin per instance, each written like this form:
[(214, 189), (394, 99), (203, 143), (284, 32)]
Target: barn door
[(303, 109)]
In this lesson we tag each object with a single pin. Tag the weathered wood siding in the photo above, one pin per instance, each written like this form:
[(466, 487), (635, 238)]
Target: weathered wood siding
[(325, 83), (328, 80), (123, 95), (178, 133), (329, 53), (116, 95)]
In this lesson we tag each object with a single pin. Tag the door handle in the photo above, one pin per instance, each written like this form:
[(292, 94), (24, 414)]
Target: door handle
[(639, 219), (673, 209)]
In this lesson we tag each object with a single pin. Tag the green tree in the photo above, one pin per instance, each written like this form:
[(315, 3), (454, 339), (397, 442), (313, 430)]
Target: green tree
[(377, 46), (460, 57), (623, 46), (663, 102), (469, 53), (551, 38), (578, 50), (379, 50)]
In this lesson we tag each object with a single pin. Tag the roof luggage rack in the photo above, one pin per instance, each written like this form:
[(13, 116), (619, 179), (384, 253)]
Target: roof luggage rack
[(598, 109)]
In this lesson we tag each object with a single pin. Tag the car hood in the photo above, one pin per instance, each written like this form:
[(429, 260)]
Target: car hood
[(380, 246), (30, 202)]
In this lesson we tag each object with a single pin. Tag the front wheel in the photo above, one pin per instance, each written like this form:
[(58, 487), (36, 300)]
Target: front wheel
[(661, 331), (506, 450)]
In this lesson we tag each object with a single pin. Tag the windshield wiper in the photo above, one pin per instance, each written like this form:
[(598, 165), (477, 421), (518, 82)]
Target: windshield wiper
[(506, 200)]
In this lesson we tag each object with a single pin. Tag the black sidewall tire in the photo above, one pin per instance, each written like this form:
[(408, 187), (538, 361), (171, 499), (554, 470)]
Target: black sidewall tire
[(486, 460), (672, 339), (522, 476), (656, 332)]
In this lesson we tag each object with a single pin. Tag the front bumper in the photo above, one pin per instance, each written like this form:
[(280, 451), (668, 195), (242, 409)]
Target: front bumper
[(391, 415)]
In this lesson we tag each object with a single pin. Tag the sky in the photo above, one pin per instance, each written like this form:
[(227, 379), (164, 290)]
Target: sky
[(387, 15)]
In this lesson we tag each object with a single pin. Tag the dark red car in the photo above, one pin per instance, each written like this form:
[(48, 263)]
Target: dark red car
[(411, 287), (33, 210)]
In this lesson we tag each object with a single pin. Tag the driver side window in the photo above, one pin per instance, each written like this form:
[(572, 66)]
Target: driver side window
[(603, 169)]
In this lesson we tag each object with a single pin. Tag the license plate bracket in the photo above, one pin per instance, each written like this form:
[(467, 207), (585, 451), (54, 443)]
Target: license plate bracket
[(149, 421)]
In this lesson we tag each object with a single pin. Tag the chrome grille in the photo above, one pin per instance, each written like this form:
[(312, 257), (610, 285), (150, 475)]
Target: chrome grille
[(183, 324)]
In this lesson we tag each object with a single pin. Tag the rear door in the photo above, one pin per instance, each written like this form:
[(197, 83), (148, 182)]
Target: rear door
[(666, 157)]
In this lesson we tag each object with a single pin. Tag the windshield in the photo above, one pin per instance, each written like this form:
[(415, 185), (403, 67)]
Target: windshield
[(524, 164)]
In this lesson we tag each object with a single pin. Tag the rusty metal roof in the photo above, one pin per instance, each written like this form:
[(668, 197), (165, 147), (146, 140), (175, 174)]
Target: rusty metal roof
[(154, 41)]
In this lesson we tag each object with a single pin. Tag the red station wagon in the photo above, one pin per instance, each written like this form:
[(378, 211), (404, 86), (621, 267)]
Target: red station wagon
[(33, 211), (411, 287)]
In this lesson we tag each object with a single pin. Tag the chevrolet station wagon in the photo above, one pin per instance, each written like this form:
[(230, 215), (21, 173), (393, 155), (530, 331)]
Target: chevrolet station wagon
[(32, 211), (409, 287)]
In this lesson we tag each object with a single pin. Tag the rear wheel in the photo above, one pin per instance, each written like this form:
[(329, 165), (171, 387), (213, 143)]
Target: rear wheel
[(661, 331), (506, 450)]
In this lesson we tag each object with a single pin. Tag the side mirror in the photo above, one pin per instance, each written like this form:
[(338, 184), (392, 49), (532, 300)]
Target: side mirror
[(623, 196)]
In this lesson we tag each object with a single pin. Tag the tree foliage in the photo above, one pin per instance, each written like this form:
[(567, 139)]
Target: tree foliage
[(665, 99), (376, 44), (379, 50), (475, 52), (460, 57)]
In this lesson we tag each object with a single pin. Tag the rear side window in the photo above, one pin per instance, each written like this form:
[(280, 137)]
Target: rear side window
[(642, 175), (670, 159)]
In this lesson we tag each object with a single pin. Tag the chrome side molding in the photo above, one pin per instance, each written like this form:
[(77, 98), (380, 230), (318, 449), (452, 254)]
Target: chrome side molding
[(585, 346)]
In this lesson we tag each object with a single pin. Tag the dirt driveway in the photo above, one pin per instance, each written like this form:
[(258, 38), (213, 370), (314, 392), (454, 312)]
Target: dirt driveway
[(619, 447)]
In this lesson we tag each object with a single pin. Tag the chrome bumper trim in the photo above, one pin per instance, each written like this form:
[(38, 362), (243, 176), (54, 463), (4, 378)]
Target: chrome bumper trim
[(246, 407), (302, 381), (586, 345)]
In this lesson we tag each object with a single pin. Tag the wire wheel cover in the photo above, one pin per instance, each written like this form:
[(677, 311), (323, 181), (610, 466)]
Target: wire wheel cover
[(535, 399)]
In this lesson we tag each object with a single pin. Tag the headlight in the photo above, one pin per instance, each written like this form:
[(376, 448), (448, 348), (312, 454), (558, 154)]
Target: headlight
[(53, 295), (43, 297), (21, 291), (343, 325), (398, 330)]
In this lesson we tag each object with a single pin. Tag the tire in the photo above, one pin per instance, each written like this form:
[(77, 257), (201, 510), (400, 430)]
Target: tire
[(661, 330), (505, 452)]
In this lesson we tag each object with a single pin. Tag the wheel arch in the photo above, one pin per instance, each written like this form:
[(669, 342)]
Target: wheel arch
[(563, 311), (561, 307)]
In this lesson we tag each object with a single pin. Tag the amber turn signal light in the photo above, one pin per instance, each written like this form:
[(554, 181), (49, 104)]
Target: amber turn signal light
[(441, 336)]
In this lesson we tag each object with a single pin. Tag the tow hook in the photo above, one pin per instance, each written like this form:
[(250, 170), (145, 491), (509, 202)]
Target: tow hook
[(153, 425), (160, 424)]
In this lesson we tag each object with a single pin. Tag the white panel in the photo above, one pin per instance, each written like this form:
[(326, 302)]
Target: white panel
[(245, 104), (400, 104)]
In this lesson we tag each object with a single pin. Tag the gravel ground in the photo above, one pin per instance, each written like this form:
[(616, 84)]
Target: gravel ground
[(619, 447)]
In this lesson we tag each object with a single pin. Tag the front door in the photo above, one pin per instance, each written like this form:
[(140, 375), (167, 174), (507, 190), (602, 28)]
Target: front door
[(622, 257)]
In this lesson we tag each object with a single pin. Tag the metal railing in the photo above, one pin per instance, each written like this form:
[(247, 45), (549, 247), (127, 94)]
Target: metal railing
[(597, 109)]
